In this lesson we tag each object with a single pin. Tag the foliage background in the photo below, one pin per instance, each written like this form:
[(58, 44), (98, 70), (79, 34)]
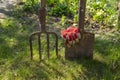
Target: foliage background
[(100, 13)]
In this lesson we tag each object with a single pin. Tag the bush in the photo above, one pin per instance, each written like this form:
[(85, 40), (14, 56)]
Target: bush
[(52, 3), (31, 6), (59, 10), (102, 12)]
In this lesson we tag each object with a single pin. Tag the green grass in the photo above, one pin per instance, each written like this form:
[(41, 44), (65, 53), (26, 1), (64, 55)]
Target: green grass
[(15, 63)]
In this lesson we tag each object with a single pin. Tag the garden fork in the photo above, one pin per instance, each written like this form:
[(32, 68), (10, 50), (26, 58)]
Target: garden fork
[(42, 19)]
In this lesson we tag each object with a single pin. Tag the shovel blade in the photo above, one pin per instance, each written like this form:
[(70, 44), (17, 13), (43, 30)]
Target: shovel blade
[(83, 49)]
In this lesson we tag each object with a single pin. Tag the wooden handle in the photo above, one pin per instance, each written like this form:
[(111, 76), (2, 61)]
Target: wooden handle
[(42, 15), (82, 8), (43, 3)]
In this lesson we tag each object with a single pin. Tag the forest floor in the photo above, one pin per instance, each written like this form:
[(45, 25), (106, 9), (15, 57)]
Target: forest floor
[(15, 63)]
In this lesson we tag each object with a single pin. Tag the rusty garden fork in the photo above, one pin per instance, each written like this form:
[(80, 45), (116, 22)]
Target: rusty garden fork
[(42, 19)]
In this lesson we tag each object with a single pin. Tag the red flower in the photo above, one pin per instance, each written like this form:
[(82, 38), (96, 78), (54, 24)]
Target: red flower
[(71, 35), (77, 35), (70, 29)]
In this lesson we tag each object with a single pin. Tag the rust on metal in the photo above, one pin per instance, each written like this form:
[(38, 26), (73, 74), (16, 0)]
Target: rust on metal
[(83, 49), (82, 9), (86, 45), (42, 19)]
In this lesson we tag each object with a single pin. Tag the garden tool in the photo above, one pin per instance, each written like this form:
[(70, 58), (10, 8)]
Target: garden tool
[(85, 46), (42, 19)]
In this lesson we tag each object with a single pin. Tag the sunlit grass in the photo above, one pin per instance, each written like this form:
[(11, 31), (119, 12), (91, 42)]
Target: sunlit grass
[(15, 63)]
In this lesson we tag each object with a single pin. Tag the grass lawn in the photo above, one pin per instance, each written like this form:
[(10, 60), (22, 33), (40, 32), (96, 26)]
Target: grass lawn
[(15, 63)]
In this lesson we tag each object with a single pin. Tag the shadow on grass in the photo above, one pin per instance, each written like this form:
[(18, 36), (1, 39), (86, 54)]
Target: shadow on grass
[(13, 39), (29, 70), (106, 46), (108, 67), (14, 44), (94, 69), (14, 33), (55, 70)]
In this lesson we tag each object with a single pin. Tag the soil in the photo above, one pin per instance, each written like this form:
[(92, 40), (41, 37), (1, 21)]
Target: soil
[(5, 8)]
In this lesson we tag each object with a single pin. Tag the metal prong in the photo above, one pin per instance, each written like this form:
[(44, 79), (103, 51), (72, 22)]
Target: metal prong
[(48, 46), (56, 42), (56, 45), (31, 50), (39, 47)]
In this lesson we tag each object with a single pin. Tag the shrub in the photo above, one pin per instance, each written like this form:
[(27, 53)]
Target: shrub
[(31, 6), (59, 10)]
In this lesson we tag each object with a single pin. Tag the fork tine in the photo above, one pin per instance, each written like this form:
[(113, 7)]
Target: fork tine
[(48, 45), (31, 49), (39, 47), (56, 42), (39, 43), (56, 45)]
